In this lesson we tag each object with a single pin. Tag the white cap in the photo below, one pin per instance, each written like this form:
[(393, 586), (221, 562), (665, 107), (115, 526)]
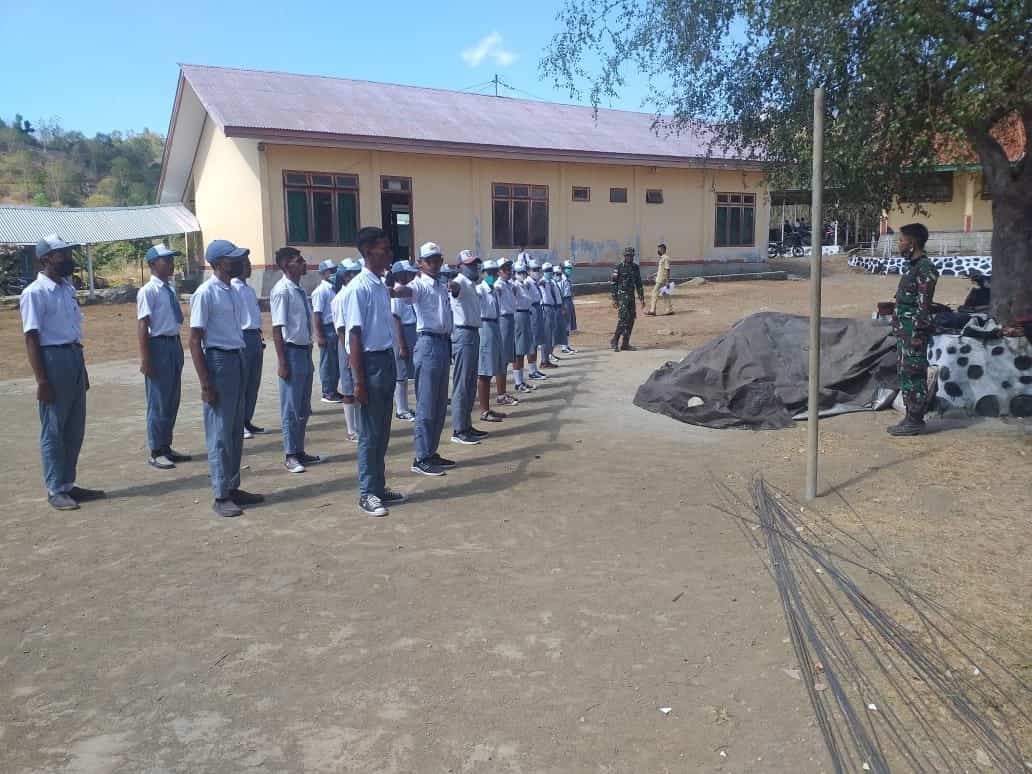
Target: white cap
[(349, 264), (546, 266), (467, 256), (490, 266), (567, 264), (520, 267), (533, 264), (327, 265), (429, 249), (503, 261)]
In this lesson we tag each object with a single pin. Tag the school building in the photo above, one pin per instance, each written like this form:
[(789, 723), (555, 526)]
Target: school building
[(270, 159)]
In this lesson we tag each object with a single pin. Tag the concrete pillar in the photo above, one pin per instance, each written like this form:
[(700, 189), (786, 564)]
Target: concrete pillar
[(969, 201)]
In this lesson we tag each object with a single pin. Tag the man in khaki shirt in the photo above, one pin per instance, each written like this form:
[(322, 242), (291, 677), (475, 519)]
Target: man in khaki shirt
[(662, 278)]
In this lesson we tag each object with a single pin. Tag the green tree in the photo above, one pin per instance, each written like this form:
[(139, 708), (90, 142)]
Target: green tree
[(904, 80), (41, 200)]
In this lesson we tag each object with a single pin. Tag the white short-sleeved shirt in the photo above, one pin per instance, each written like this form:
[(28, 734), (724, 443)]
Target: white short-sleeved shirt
[(155, 301), (402, 309), (488, 302), (533, 293), (519, 292), (252, 320), (565, 286), (218, 309), (465, 306), (506, 296), (291, 311), (337, 307), (322, 301), (52, 309), (547, 288), (431, 303), (367, 305)]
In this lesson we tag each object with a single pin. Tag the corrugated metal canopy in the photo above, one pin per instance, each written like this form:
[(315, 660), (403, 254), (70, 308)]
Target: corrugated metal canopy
[(27, 225)]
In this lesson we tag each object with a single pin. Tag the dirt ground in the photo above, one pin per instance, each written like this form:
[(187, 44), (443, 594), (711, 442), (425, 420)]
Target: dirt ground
[(530, 612)]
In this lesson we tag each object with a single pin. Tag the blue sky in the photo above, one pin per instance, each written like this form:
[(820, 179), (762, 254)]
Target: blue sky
[(120, 67)]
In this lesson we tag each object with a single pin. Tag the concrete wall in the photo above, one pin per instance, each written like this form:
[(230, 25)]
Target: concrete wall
[(240, 196)]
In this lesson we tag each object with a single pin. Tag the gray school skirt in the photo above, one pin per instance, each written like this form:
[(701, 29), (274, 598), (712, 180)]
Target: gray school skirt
[(404, 368), (347, 382), (492, 361), (524, 338), (507, 323)]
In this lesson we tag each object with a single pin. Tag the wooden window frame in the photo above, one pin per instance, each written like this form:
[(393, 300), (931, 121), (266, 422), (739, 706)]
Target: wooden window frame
[(654, 191), (625, 199), (587, 193), (733, 199), (531, 198), (922, 188), (334, 190)]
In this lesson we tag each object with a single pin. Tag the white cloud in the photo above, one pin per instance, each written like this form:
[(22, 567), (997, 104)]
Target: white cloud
[(488, 47)]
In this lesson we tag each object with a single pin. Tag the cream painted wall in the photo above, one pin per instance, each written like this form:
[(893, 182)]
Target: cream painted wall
[(949, 216), (228, 186), (452, 203)]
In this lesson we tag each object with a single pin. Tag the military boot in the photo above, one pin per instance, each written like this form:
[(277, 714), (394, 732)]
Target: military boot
[(912, 424), (626, 345), (614, 343)]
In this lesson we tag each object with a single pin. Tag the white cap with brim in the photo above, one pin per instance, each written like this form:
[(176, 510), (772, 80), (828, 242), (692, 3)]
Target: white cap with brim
[(327, 265), (467, 257), (546, 266), (567, 264), (403, 267), (533, 264), (49, 244), (430, 250), (490, 266)]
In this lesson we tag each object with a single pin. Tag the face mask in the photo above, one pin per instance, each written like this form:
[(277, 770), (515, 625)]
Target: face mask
[(568, 272), (471, 272), (67, 267), (490, 279)]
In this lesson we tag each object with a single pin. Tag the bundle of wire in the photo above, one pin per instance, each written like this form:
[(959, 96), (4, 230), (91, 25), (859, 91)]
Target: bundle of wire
[(939, 698)]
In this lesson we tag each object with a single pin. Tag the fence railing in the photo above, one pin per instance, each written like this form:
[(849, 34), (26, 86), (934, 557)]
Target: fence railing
[(943, 243)]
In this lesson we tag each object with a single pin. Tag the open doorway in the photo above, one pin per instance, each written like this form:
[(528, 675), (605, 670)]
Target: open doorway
[(396, 209)]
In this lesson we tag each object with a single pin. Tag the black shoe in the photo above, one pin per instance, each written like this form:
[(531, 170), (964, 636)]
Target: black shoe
[(161, 461), (83, 495), (240, 497), (426, 467), (293, 464), (175, 456), (614, 344), (477, 433), (372, 505), (626, 347), (466, 438), (309, 459), (253, 429), (441, 462), (390, 497), (911, 425), (62, 502), (226, 508)]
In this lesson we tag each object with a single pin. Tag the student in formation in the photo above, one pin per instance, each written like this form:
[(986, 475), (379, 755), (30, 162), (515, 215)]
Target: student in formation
[(52, 324), (465, 306), (491, 360), (254, 347), (523, 340), (505, 292), (346, 272), (546, 336), (430, 297), (159, 317), (325, 333), (217, 351), (564, 279), (530, 285), (402, 273), (293, 324), (370, 346)]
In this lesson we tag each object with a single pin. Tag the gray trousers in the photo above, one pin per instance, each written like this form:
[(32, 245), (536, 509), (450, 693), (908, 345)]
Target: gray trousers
[(295, 398), (466, 351), (329, 362), (431, 361), (163, 390), (562, 330), (254, 355), (224, 422), (63, 422), (374, 421)]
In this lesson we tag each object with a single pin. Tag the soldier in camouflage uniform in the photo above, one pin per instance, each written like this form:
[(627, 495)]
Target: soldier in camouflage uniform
[(626, 282), (912, 326)]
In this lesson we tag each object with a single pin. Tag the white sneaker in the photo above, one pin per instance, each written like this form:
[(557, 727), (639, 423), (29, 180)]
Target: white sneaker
[(248, 435), (353, 437)]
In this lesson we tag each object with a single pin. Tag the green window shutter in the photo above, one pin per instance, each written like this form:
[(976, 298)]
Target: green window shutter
[(347, 217), (297, 216)]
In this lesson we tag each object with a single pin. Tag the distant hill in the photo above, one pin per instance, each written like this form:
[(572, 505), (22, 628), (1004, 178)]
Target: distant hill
[(50, 166)]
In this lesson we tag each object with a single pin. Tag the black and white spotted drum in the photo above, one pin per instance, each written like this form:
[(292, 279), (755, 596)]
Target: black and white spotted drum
[(948, 265), (990, 377)]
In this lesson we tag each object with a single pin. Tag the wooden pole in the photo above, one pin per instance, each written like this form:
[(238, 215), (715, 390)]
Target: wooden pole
[(89, 270), (816, 224)]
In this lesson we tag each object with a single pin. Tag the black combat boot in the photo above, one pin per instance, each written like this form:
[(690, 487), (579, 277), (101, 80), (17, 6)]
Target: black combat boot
[(912, 424), (614, 343)]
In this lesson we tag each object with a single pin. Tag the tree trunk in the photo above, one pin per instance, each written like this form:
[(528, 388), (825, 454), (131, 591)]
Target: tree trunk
[(1012, 251)]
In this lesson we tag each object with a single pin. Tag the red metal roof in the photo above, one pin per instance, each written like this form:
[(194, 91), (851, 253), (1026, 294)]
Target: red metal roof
[(282, 105)]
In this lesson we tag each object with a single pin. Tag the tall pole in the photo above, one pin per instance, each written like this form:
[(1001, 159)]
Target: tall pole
[(817, 227), (89, 269)]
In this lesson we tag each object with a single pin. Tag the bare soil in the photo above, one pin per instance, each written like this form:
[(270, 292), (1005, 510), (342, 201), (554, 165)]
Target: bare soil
[(530, 612)]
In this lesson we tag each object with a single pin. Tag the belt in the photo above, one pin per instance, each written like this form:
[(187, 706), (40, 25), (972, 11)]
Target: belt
[(468, 327), (166, 336), (506, 314), (69, 345), (535, 303), (434, 334), (222, 349), (252, 330), (379, 351), (488, 319), (523, 311), (550, 306), (297, 346)]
